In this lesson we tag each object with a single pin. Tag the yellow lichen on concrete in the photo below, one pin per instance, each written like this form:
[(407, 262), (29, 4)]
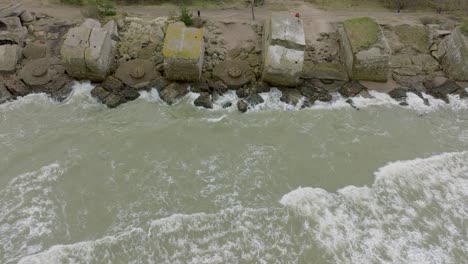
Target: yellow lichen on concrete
[(182, 42)]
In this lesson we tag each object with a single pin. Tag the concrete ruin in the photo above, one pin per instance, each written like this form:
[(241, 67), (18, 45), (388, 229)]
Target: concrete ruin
[(365, 50), (183, 52), (87, 53), (11, 30), (454, 60), (283, 50), (9, 57)]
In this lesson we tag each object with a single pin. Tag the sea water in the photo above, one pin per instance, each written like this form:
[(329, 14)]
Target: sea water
[(151, 183)]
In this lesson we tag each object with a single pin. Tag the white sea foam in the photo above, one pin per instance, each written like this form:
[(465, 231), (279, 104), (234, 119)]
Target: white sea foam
[(30, 210), (415, 212)]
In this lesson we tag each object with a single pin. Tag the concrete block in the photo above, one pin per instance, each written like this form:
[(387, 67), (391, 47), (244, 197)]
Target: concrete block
[(365, 50), (283, 50), (454, 55), (183, 52), (12, 30), (9, 57)]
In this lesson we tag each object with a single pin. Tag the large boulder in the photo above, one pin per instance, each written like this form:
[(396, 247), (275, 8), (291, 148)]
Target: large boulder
[(11, 10), (9, 57), (454, 59), (87, 53), (365, 50), (183, 52), (283, 50)]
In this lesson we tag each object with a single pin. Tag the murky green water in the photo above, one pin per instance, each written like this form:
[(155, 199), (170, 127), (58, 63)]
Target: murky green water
[(148, 183)]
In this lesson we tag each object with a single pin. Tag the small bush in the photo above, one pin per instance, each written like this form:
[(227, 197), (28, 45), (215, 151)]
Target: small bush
[(464, 28), (185, 16), (98, 9)]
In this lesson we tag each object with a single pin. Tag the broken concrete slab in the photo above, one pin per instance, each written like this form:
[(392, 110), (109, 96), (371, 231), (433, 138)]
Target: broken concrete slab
[(234, 73), (111, 26), (13, 30), (35, 50), (365, 50), (27, 17), (36, 72), (11, 10), (183, 52), (283, 50), (91, 23), (453, 52), (10, 55), (137, 73), (87, 53)]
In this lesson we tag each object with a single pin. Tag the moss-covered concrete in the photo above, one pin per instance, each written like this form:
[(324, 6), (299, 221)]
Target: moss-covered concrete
[(183, 52), (415, 36), (362, 32)]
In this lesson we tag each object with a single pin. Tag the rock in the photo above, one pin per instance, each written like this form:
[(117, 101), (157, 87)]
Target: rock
[(112, 84), (200, 87), (91, 23), (113, 100), (129, 94), (242, 106), (449, 87), (291, 96), (111, 26), (100, 93), (173, 92), (261, 87), (15, 86), (35, 50), (218, 86), (453, 55), (254, 99), (426, 62), (204, 100), (137, 73), (12, 10), (159, 83), (5, 95), (325, 70), (26, 17), (87, 53), (234, 73), (283, 50), (352, 89), (36, 72), (434, 82), (366, 52), (227, 105), (12, 31), (60, 88), (183, 52), (400, 94), (243, 92), (9, 57)]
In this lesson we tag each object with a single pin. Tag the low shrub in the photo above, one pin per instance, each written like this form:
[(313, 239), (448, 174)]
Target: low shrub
[(185, 16)]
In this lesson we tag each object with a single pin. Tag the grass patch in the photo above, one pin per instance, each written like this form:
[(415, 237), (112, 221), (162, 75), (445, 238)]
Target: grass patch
[(362, 32), (464, 28), (415, 36)]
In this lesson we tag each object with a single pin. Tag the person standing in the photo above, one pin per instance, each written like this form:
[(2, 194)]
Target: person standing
[(198, 13)]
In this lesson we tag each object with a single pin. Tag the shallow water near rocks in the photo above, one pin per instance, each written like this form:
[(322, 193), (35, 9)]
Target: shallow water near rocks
[(148, 183)]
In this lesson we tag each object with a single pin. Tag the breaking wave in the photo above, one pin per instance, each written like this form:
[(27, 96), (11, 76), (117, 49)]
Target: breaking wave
[(415, 212)]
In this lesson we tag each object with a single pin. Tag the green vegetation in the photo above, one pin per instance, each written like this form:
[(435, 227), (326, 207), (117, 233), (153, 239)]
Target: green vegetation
[(185, 16), (362, 32), (415, 36), (464, 28)]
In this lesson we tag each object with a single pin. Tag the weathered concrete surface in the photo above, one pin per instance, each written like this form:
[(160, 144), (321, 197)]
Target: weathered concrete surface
[(454, 55), (365, 50), (283, 50), (234, 73), (9, 57), (87, 53), (11, 10), (36, 72), (137, 73), (35, 50), (91, 23), (183, 52)]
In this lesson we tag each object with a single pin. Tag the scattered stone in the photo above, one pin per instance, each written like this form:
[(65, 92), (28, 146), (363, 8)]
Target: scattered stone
[(183, 52), (242, 106), (449, 87), (100, 93), (12, 10), (159, 83), (234, 73), (36, 72), (13, 31), (5, 95), (35, 50), (227, 105), (352, 89), (137, 73), (204, 100), (26, 17), (291, 96), (15, 86), (283, 50), (202, 87), (113, 100), (218, 86), (173, 92), (9, 57), (261, 87), (366, 52), (243, 92), (254, 99)]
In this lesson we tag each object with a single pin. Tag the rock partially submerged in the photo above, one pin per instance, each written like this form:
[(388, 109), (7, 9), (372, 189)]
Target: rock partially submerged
[(112, 92)]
